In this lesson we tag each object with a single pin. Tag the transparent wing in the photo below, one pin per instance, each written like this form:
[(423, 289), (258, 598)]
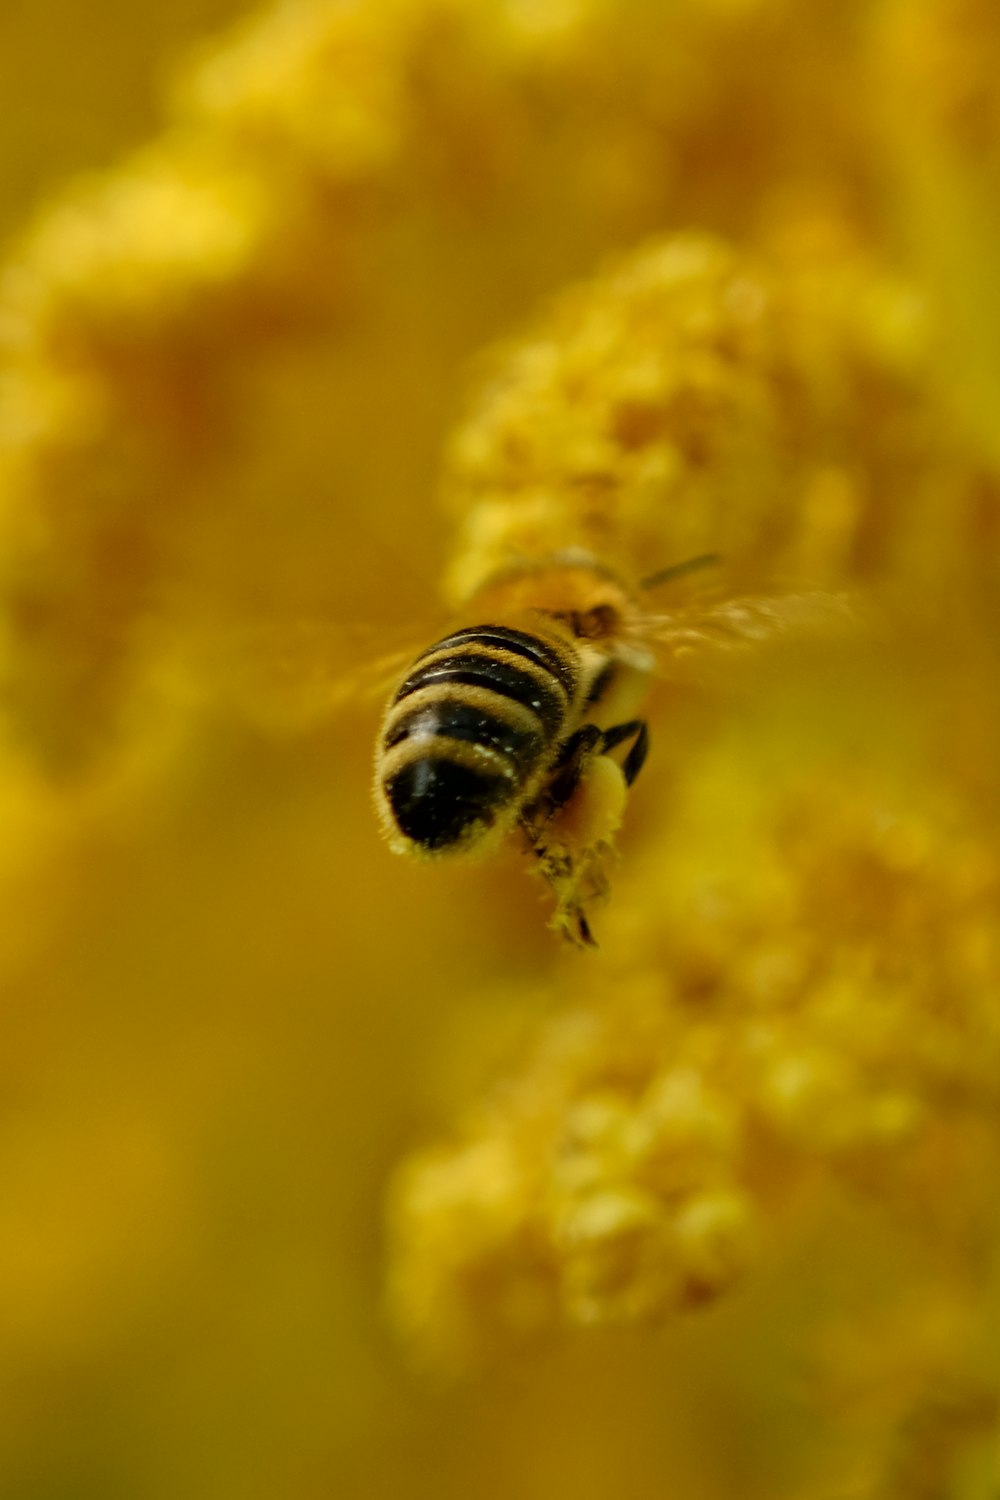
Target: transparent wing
[(291, 676), (704, 628)]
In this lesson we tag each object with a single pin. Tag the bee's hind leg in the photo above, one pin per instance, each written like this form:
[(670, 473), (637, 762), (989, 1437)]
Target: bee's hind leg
[(571, 827), (583, 746), (636, 730), (584, 938), (573, 757)]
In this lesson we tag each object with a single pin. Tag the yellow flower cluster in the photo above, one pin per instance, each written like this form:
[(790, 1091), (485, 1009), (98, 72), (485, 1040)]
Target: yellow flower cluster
[(383, 158), (803, 990), (739, 1167), (810, 971), (692, 401)]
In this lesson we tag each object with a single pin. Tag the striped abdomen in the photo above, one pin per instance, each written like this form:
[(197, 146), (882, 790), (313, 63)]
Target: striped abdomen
[(468, 732)]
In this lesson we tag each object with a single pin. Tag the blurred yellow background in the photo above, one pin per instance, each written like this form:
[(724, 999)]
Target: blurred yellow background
[(322, 1174), (82, 86)]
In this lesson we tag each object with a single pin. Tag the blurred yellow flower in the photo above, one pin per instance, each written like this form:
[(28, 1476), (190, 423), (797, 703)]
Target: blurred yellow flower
[(285, 1117)]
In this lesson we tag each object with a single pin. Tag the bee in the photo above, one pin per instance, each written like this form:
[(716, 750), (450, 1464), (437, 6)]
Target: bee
[(525, 720)]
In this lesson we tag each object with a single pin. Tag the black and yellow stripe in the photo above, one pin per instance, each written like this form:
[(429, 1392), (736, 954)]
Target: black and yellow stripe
[(478, 716)]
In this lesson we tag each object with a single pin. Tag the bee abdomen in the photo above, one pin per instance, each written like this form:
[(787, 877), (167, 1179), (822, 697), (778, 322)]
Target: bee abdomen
[(493, 674), (454, 720), (438, 802), (518, 643), (467, 731)]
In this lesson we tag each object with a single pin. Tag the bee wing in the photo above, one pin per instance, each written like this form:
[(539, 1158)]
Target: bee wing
[(713, 627), (292, 676)]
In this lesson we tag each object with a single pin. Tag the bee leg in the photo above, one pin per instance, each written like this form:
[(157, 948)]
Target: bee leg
[(572, 758), (567, 772), (635, 730), (570, 825), (584, 936)]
